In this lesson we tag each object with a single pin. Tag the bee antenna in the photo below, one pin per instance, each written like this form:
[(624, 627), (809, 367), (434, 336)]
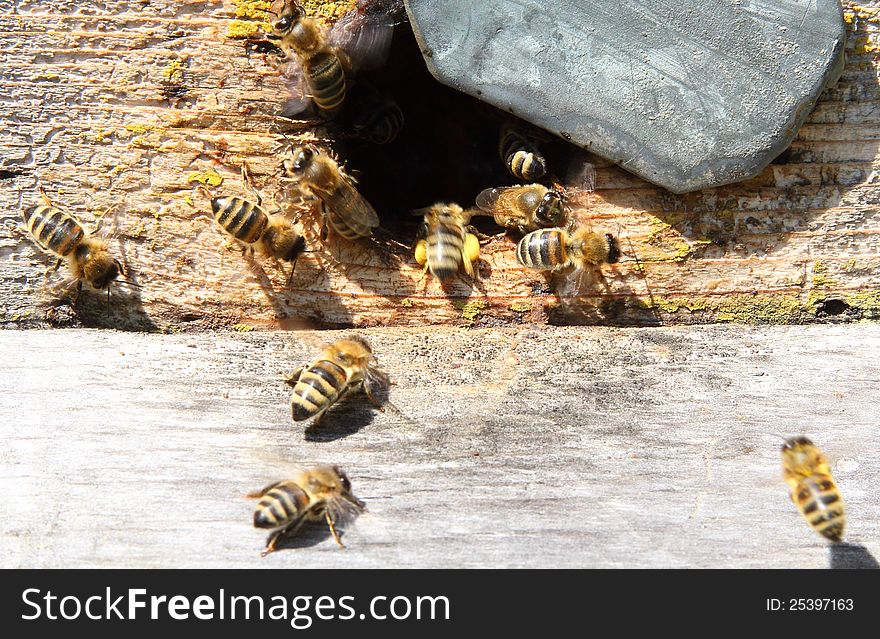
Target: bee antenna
[(205, 190), (131, 284)]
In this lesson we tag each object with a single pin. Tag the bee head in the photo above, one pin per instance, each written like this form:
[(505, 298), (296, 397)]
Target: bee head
[(99, 268), (796, 442), (549, 211), (291, 15), (299, 161), (613, 248), (343, 479)]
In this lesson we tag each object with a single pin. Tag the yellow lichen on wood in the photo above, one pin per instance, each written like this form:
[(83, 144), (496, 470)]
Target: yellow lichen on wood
[(210, 177)]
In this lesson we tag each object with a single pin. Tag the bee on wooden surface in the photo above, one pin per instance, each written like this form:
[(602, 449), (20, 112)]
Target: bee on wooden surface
[(520, 154), (557, 249), (812, 488), (321, 493), (344, 208), (319, 60), (61, 234), (523, 208), (254, 228), (344, 366), (445, 245)]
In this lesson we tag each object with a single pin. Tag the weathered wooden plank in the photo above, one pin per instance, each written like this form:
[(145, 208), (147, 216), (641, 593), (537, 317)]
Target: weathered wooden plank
[(509, 447), (111, 103)]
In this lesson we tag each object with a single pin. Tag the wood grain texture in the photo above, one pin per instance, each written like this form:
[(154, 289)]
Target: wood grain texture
[(120, 103), (508, 447)]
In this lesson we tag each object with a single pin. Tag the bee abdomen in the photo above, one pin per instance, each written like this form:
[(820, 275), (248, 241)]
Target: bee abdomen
[(54, 229), (317, 388), (521, 157), (382, 126), (280, 505), (346, 225), (242, 219), (543, 249), (819, 501), (326, 79), (444, 250)]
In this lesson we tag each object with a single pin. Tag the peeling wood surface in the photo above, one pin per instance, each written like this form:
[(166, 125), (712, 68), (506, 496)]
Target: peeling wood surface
[(120, 102), (572, 446)]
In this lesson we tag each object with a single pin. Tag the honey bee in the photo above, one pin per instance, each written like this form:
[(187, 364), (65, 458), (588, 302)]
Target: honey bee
[(343, 367), (523, 208), (319, 61), (378, 118), (446, 245), (323, 492), (61, 234), (556, 249), (520, 154), (272, 234), (812, 488), (344, 209)]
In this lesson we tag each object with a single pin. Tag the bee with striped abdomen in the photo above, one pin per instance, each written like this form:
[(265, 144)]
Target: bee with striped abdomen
[(812, 488), (319, 60), (523, 208), (345, 209), (520, 154), (557, 249), (321, 493), (377, 117), (343, 367), (445, 245), (61, 234), (254, 228)]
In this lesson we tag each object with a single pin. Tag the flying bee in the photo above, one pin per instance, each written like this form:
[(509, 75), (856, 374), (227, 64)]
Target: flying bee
[(61, 234), (344, 209), (445, 245), (523, 208), (344, 366), (557, 249), (812, 488), (272, 234), (321, 493), (520, 154), (319, 61)]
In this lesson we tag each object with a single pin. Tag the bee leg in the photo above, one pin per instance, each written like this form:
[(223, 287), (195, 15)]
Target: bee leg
[(79, 288), (320, 415), (287, 531), (45, 197), (52, 269), (335, 534), (246, 180), (294, 377), (482, 237), (368, 391)]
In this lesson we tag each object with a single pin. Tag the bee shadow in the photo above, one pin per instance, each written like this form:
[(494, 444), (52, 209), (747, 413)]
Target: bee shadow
[(845, 556), (311, 534), (339, 422)]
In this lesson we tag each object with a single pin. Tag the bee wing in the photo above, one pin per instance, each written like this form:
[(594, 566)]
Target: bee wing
[(364, 37), (347, 198), (488, 198), (298, 100), (580, 176), (343, 510)]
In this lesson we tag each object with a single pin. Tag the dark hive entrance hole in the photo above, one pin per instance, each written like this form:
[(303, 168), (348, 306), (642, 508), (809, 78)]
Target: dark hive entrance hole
[(447, 150)]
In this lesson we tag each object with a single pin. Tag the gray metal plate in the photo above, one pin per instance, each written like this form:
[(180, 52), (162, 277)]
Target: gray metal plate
[(687, 94)]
